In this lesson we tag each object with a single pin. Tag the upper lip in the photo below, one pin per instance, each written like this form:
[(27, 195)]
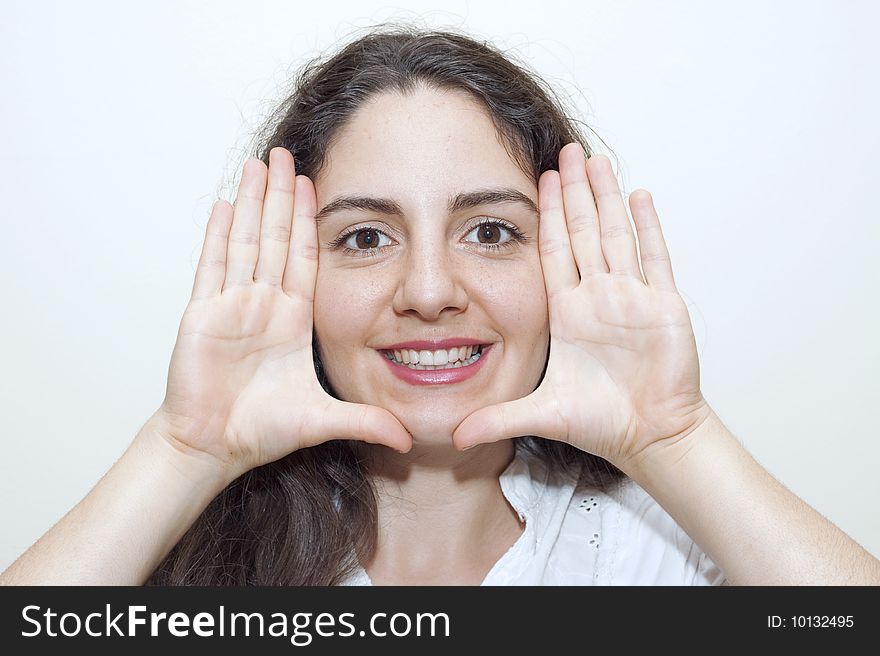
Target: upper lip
[(433, 345)]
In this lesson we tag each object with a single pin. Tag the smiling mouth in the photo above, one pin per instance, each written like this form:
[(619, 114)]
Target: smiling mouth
[(454, 358)]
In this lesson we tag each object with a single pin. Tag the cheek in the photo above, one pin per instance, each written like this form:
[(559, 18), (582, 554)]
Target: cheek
[(517, 304), (346, 305), (517, 300)]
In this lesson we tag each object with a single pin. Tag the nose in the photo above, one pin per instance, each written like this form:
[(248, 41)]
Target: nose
[(429, 283)]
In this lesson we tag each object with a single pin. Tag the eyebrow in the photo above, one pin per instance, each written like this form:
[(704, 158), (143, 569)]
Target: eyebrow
[(458, 203)]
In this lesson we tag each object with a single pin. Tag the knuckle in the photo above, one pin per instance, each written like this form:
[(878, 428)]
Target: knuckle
[(503, 419), (308, 252), (590, 269), (655, 257), (577, 182), (549, 210), (281, 187), (273, 280), (244, 237), (245, 197), (553, 246), (277, 233), (615, 232), (581, 222), (359, 422)]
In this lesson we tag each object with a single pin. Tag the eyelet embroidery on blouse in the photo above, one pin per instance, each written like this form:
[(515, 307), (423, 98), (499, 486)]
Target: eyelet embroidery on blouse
[(588, 503)]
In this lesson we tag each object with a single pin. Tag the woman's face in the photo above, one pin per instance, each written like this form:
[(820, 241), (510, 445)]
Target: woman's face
[(417, 266)]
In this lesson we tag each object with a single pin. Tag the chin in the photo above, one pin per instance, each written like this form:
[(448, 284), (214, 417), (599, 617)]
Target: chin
[(432, 431), (431, 434)]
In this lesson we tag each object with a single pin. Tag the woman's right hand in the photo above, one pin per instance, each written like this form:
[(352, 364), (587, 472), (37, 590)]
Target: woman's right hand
[(242, 387)]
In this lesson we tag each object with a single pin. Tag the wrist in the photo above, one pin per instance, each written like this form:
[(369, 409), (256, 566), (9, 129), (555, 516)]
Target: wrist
[(677, 450), (156, 441)]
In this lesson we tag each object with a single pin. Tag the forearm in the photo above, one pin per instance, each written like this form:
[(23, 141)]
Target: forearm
[(751, 526), (129, 521)]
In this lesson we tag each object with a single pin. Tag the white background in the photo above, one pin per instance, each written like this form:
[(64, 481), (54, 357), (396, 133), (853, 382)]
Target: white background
[(753, 125)]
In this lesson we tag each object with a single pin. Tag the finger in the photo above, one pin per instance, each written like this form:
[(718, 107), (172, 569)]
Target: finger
[(365, 423), (618, 239), (302, 256), (655, 256), (581, 214), (211, 269), (560, 270), (277, 217), (503, 421), (244, 237)]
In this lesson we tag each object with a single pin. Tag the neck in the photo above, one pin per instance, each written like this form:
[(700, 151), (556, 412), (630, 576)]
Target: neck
[(442, 514)]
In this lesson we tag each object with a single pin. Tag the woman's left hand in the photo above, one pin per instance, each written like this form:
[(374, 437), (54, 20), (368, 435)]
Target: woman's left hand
[(623, 375)]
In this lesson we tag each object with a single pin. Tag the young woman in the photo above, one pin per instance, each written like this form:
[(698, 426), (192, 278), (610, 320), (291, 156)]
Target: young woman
[(423, 348)]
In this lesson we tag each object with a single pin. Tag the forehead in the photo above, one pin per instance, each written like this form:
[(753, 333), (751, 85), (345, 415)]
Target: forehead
[(428, 141)]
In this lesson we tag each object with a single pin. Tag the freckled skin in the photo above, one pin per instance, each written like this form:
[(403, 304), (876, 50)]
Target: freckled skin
[(434, 279)]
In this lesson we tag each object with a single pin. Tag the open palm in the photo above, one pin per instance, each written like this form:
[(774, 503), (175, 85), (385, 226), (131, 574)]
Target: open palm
[(623, 372), (242, 385)]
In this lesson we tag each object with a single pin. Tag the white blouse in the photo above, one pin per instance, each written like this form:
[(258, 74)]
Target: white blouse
[(581, 536)]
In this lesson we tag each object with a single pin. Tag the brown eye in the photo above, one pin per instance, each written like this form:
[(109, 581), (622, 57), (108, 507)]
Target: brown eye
[(366, 239), (493, 234), (489, 233)]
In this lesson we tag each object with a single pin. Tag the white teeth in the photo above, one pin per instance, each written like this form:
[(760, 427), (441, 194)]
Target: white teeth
[(453, 358), (439, 357)]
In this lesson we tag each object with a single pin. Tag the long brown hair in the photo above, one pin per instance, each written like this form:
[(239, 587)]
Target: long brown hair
[(310, 517)]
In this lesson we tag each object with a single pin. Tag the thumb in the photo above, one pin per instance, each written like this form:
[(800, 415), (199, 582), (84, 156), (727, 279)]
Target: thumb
[(525, 416), (367, 423)]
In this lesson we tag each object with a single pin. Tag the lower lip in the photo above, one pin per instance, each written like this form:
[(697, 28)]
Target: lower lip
[(436, 376)]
